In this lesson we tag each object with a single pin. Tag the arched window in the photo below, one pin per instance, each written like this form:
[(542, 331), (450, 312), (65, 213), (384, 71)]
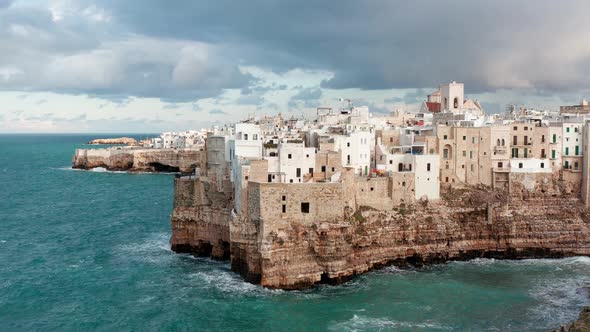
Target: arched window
[(498, 142), (503, 143), (400, 167), (456, 103)]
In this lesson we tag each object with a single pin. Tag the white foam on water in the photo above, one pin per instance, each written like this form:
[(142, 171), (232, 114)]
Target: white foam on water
[(231, 283), (104, 170), (2, 241), (363, 323), (155, 249), (560, 299)]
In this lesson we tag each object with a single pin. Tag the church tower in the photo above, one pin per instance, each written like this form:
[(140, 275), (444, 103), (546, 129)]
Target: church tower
[(451, 97)]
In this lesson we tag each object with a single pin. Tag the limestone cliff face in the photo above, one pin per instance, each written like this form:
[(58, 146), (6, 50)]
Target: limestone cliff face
[(466, 223), (133, 159)]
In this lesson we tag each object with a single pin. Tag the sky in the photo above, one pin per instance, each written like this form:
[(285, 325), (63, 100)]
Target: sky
[(143, 66)]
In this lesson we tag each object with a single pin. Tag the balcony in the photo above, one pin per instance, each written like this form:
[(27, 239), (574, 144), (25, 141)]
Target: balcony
[(500, 149), (501, 169)]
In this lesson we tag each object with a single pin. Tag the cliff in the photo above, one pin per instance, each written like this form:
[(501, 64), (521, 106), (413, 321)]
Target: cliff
[(333, 245), (582, 324), (138, 159), (114, 141)]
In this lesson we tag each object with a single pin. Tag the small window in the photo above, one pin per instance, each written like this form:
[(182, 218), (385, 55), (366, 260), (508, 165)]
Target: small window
[(290, 180), (391, 140), (542, 165), (324, 169), (332, 169), (444, 136), (284, 208), (245, 137), (403, 184), (372, 188), (348, 144), (298, 171), (515, 128), (464, 153), (284, 198), (390, 162), (428, 167), (289, 156), (305, 207), (246, 177), (519, 165), (311, 171), (464, 138), (306, 156)]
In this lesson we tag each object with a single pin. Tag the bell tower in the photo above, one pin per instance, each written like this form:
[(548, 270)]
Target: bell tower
[(451, 97)]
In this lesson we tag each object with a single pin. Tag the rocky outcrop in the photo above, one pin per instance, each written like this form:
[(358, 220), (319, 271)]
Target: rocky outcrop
[(582, 324), (138, 159), (465, 223), (114, 141)]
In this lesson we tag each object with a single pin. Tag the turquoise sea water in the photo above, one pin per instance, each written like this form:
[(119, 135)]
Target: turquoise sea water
[(84, 250)]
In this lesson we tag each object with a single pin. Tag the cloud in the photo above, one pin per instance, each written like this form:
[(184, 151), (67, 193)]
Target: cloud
[(306, 98), (390, 44), (51, 50), (216, 111)]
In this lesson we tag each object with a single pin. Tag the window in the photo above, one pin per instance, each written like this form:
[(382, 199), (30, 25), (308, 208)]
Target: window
[(311, 171), (332, 169), (255, 137), (391, 140), (456, 102), (400, 167), (306, 156), (290, 180), (575, 165), (543, 139), (284, 208), (567, 151), (471, 154), (305, 207), (298, 172), (246, 177), (348, 144), (514, 152), (324, 169), (284, 198), (269, 178), (245, 137), (444, 136), (473, 140), (472, 167), (514, 140), (567, 130), (372, 188), (503, 142), (542, 165), (526, 153), (447, 179), (391, 162), (446, 153), (519, 165), (431, 151), (498, 142), (464, 153), (577, 150), (552, 154), (289, 156), (403, 184), (464, 138), (576, 129), (554, 138), (500, 164), (526, 140), (543, 153), (526, 128), (515, 128), (567, 164), (428, 167)]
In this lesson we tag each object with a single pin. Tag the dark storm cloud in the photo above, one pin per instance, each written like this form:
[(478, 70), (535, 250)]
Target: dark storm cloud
[(389, 44), (186, 50)]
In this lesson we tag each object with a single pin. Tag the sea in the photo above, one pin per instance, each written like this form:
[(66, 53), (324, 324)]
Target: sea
[(89, 250)]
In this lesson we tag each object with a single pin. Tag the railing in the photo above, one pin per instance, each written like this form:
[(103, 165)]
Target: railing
[(500, 149)]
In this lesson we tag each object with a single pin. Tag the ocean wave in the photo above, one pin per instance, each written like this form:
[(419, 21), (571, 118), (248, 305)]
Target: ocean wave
[(363, 323), (228, 282), (560, 299), (155, 249)]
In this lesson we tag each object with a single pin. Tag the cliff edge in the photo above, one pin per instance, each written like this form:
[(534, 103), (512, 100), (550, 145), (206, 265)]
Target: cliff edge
[(331, 241)]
